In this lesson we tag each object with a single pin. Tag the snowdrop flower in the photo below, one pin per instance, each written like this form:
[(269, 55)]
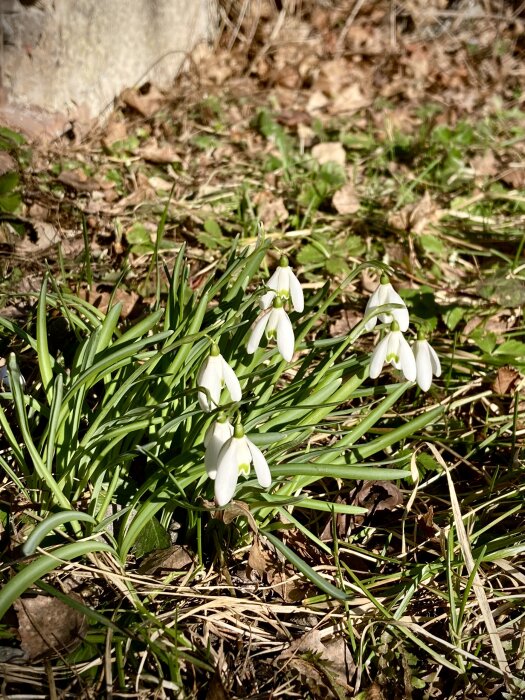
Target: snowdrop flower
[(235, 457), (395, 350), (427, 362), (285, 284), (219, 432), (386, 294), (215, 374), (277, 325)]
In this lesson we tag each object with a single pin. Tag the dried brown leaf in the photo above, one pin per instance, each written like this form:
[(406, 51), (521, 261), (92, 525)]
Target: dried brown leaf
[(515, 177), (48, 627), (506, 380), (332, 151), (486, 164), (216, 689), (145, 104), (349, 100), (78, 180), (7, 163), (173, 558), (115, 131), (235, 509), (47, 235), (334, 651), (271, 210), (154, 153), (317, 102), (257, 559), (378, 495), (160, 184), (345, 200)]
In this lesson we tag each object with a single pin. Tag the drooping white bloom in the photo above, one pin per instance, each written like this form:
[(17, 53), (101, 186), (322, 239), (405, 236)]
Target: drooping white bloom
[(285, 284), (386, 294), (395, 350), (427, 363), (219, 432), (235, 457), (277, 325), (214, 375)]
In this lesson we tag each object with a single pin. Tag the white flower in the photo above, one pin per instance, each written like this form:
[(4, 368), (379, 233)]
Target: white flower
[(427, 363), (219, 432), (285, 284), (235, 457), (277, 325), (214, 374), (386, 294), (394, 349)]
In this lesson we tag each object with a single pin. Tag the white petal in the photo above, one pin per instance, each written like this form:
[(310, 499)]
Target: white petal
[(285, 336), (273, 282), (369, 326), (244, 456), (210, 378), (423, 364), (216, 437), (273, 321), (231, 381), (296, 291), (370, 306), (407, 360), (400, 315), (434, 359), (227, 473), (392, 354), (378, 358), (257, 332), (266, 300), (260, 465)]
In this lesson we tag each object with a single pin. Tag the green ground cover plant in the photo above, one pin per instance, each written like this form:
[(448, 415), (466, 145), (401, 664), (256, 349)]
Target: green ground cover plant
[(385, 559)]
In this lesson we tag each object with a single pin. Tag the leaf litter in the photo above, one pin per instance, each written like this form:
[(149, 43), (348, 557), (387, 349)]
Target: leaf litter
[(383, 91)]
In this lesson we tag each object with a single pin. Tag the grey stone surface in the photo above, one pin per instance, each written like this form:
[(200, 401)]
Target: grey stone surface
[(66, 55)]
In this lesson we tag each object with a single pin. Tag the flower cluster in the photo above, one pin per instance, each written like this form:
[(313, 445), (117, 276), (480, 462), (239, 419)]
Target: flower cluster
[(419, 362), (228, 451)]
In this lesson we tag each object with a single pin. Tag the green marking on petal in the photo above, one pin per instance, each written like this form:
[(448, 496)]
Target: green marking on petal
[(244, 469), (392, 357)]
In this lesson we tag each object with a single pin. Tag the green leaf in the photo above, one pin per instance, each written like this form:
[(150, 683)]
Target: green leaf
[(453, 316), (150, 538), (9, 203), (212, 227), (514, 348), (139, 235), (506, 292), (9, 138), (49, 524), (432, 245), (310, 255), (486, 341), (336, 265), (14, 588), (8, 182)]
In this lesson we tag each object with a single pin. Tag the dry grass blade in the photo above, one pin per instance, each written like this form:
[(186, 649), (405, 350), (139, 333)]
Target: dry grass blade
[(479, 589)]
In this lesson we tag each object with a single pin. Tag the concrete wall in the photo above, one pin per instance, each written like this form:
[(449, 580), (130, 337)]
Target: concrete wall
[(62, 55)]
